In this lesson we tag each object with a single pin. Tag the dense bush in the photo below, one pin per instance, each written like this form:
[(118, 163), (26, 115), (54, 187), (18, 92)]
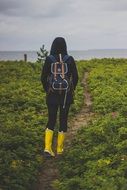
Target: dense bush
[(108, 84), (23, 120), (97, 159)]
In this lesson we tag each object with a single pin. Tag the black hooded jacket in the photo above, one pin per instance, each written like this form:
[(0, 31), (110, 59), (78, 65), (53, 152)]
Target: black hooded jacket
[(59, 46)]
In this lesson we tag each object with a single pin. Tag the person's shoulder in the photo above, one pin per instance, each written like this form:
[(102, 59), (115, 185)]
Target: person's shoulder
[(48, 59), (71, 58)]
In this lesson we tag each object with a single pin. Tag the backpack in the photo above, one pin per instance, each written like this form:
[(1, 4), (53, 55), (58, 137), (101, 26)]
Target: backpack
[(58, 81)]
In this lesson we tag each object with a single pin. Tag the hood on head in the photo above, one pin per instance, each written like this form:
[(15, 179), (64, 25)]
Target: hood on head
[(59, 46)]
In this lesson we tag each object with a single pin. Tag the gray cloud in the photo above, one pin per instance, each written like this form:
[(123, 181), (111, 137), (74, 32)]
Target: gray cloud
[(29, 8), (7, 6), (86, 24), (116, 5)]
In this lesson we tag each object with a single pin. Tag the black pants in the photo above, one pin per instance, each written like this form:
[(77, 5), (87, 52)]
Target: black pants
[(63, 116)]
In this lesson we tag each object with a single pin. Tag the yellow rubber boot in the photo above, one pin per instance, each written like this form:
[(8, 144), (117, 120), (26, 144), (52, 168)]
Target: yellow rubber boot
[(60, 142), (48, 143)]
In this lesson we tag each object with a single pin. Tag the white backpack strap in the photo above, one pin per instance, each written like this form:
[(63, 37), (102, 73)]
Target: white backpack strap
[(61, 61), (55, 70), (60, 57)]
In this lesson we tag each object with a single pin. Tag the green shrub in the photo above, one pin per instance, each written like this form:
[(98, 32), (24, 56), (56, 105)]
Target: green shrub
[(23, 120), (97, 157)]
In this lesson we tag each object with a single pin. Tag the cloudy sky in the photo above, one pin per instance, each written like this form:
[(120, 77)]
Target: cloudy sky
[(85, 24)]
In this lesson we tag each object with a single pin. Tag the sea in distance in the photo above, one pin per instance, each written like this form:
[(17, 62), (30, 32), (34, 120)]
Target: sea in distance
[(78, 55)]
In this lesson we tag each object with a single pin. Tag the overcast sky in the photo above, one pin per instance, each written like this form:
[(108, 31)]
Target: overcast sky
[(85, 24)]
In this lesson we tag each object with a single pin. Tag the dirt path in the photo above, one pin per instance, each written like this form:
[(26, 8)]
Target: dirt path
[(85, 115), (49, 171)]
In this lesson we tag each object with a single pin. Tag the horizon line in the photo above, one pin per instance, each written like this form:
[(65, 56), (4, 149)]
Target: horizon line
[(68, 50)]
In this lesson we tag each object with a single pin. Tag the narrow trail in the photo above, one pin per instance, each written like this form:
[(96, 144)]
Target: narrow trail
[(49, 172), (85, 114)]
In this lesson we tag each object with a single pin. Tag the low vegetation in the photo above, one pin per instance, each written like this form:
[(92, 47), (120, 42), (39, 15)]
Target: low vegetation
[(97, 159), (23, 119)]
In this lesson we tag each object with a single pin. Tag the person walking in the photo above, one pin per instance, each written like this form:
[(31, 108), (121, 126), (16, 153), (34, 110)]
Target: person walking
[(59, 78)]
